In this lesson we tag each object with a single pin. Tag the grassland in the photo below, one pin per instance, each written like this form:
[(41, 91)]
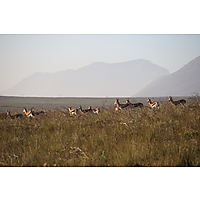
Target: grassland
[(169, 136)]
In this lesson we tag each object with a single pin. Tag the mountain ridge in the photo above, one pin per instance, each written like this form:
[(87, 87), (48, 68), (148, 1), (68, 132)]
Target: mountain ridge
[(96, 79), (183, 82)]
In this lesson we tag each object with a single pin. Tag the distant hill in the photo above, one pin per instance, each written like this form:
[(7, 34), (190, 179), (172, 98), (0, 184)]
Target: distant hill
[(183, 82), (96, 79)]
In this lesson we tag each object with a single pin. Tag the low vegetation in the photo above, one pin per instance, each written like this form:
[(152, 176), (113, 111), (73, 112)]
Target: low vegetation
[(168, 136)]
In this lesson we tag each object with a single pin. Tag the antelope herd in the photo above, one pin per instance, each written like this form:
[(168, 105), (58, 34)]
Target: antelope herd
[(153, 105), (118, 106), (83, 111), (126, 105), (32, 114)]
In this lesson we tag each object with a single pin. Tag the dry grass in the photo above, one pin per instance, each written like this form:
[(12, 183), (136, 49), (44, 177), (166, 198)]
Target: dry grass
[(169, 136)]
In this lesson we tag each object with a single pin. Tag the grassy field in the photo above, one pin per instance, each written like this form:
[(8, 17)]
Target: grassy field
[(168, 136)]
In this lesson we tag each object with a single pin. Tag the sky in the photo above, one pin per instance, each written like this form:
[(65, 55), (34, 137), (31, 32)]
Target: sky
[(21, 55), (50, 36)]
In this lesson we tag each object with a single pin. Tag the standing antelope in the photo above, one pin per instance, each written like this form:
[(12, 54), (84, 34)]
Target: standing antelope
[(28, 113), (16, 116), (134, 105), (120, 106), (72, 111), (4, 115), (89, 110), (96, 110), (38, 113), (155, 104), (176, 103), (138, 105)]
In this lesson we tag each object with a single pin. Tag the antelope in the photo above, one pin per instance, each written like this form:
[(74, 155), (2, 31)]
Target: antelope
[(96, 110), (89, 110), (134, 105), (16, 116), (120, 106), (176, 103), (153, 104), (4, 115), (38, 113), (72, 111), (138, 105), (28, 113)]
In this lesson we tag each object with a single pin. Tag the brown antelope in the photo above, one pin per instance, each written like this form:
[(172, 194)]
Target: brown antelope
[(176, 103), (38, 113), (72, 111), (4, 115), (96, 110), (89, 110), (28, 113), (134, 105), (16, 116), (155, 104), (120, 106)]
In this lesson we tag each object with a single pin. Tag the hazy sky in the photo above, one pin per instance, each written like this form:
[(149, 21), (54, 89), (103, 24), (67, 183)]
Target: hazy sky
[(22, 55)]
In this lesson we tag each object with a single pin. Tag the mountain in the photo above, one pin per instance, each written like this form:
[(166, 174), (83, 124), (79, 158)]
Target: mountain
[(96, 79), (183, 82)]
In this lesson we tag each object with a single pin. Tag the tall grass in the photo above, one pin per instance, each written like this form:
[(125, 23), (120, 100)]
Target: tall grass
[(168, 136)]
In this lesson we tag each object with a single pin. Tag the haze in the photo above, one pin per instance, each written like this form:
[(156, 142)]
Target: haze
[(23, 55)]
